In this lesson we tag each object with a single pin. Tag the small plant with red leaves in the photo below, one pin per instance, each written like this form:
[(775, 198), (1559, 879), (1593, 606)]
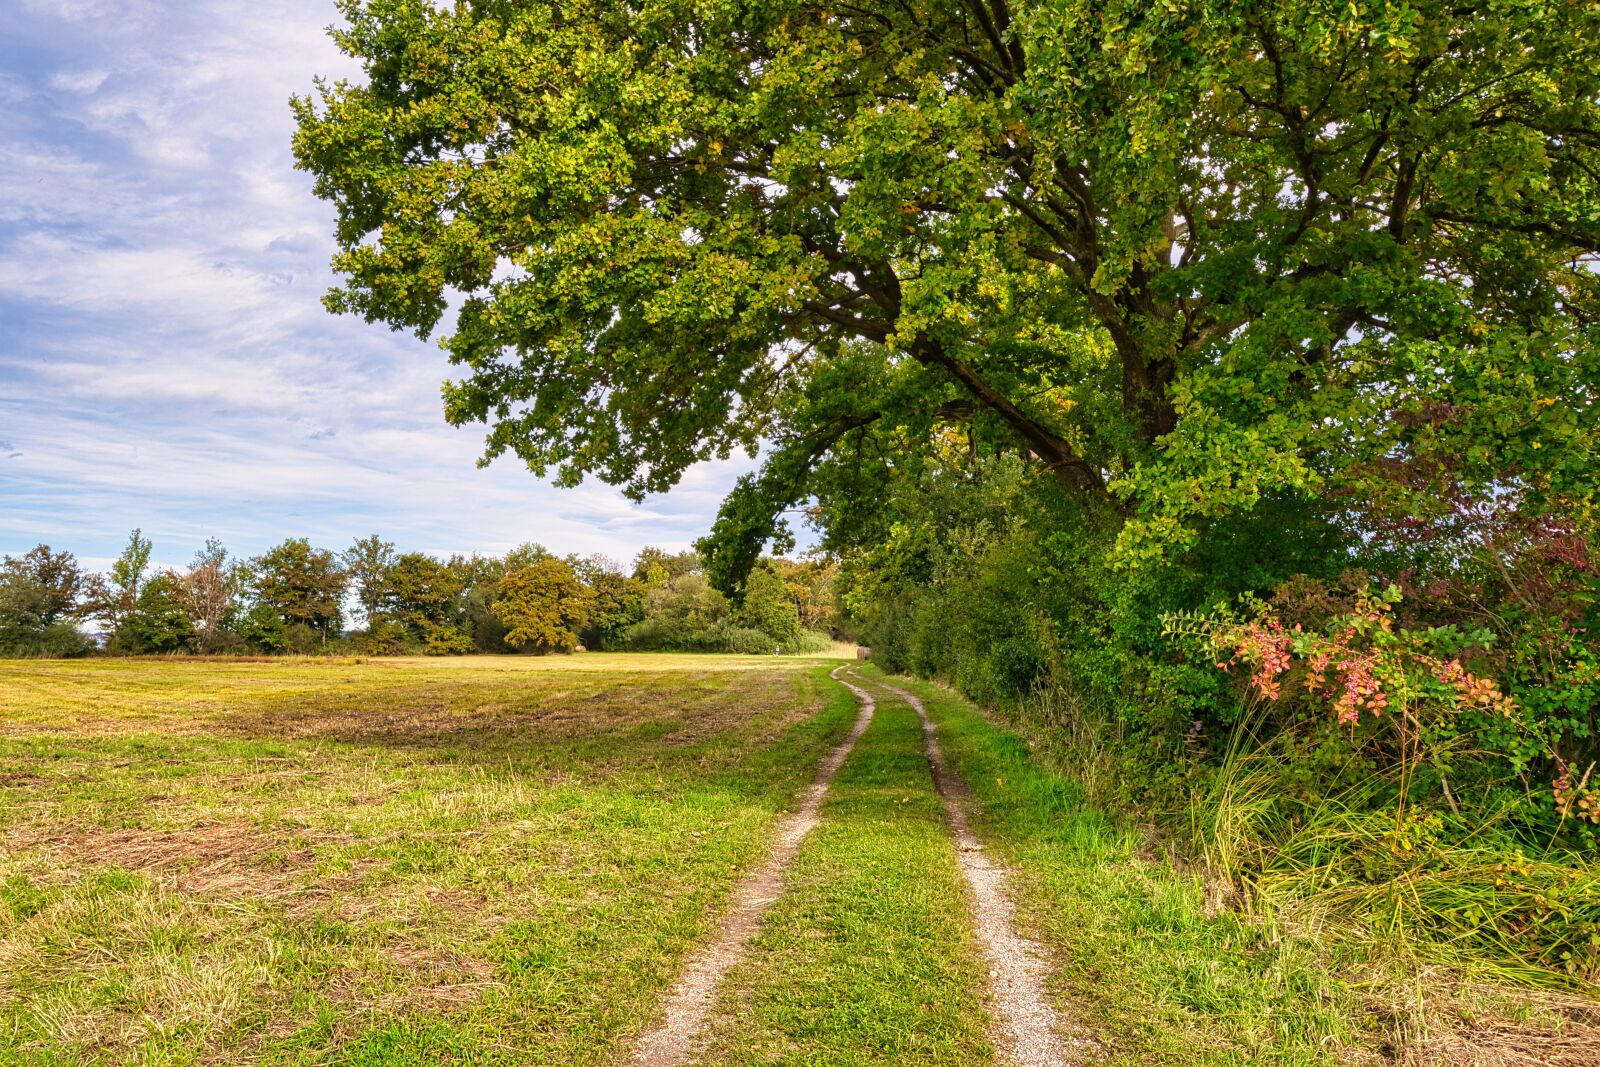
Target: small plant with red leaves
[(1406, 688), (1575, 800), (1361, 663)]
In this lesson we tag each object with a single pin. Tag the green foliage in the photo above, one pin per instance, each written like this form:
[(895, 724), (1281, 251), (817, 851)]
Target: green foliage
[(290, 600), (303, 585), (812, 585), (616, 602), (446, 639), (811, 642), (382, 638), (263, 629), (127, 578), (1413, 705), (765, 605), (542, 604), (58, 640), (655, 567), (42, 594), (686, 613), (477, 609), (686, 604), (1187, 258), (1056, 325), (367, 564), (1437, 878), (113, 597), (421, 593), (158, 622)]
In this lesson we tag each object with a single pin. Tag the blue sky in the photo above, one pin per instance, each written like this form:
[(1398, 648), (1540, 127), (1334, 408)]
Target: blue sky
[(164, 360)]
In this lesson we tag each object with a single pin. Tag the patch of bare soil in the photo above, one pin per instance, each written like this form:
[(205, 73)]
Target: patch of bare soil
[(416, 976), (414, 717), (438, 978), (230, 859), (667, 1044), (702, 719), (1030, 1034)]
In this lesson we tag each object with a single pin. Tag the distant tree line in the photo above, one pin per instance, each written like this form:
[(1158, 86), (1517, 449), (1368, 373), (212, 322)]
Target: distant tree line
[(298, 599)]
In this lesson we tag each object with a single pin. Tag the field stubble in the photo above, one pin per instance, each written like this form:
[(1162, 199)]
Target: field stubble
[(386, 861)]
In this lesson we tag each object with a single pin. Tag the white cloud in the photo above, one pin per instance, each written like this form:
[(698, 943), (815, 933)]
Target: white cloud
[(164, 358), (78, 81), (78, 10)]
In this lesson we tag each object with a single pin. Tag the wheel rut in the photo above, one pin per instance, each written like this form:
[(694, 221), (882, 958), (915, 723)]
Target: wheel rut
[(669, 1043), (1028, 1028)]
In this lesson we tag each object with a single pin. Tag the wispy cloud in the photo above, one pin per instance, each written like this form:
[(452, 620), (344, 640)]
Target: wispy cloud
[(164, 358)]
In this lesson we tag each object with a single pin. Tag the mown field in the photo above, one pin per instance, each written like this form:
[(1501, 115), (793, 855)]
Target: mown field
[(376, 862), (508, 860)]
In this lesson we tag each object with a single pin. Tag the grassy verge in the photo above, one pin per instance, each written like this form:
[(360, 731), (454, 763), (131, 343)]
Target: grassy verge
[(868, 957), (377, 863), (1153, 963)]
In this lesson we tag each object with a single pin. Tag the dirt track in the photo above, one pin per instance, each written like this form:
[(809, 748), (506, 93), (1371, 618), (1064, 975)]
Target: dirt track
[(668, 1043), (1026, 1031)]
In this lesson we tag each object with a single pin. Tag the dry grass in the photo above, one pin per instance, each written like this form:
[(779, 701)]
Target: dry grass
[(1532, 1029), (276, 862)]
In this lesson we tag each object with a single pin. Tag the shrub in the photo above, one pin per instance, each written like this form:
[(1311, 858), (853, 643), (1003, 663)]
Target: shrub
[(446, 639), (740, 639), (810, 642), (383, 638), (59, 640), (263, 630)]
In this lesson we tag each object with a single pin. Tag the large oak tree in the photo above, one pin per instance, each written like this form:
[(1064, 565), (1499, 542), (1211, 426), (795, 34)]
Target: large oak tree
[(1179, 254)]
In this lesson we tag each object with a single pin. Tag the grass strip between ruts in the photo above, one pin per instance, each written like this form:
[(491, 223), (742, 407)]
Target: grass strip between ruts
[(868, 957)]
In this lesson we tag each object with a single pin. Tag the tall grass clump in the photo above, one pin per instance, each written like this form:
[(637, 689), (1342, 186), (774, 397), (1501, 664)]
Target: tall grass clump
[(1375, 784)]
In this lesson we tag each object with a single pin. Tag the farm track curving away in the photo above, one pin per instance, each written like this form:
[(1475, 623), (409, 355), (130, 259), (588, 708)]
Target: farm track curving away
[(1027, 1031), (688, 1005)]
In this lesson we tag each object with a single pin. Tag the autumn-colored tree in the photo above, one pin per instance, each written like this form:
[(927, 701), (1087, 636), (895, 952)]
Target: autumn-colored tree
[(51, 582), (810, 584), (209, 596), (41, 598), (542, 605)]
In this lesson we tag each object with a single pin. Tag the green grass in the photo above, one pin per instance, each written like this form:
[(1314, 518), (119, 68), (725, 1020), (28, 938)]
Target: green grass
[(1158, 968), (507, 860), (1349, 862), (382, 862), (868, 957)]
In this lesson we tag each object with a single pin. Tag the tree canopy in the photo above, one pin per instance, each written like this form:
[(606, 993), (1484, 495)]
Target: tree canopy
[(543, 605), (303, 586), (42, 594), (1180, 256)]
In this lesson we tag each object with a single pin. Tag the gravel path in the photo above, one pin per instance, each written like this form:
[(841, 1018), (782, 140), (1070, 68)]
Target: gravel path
[(1028, 1028), (668, 1043)]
